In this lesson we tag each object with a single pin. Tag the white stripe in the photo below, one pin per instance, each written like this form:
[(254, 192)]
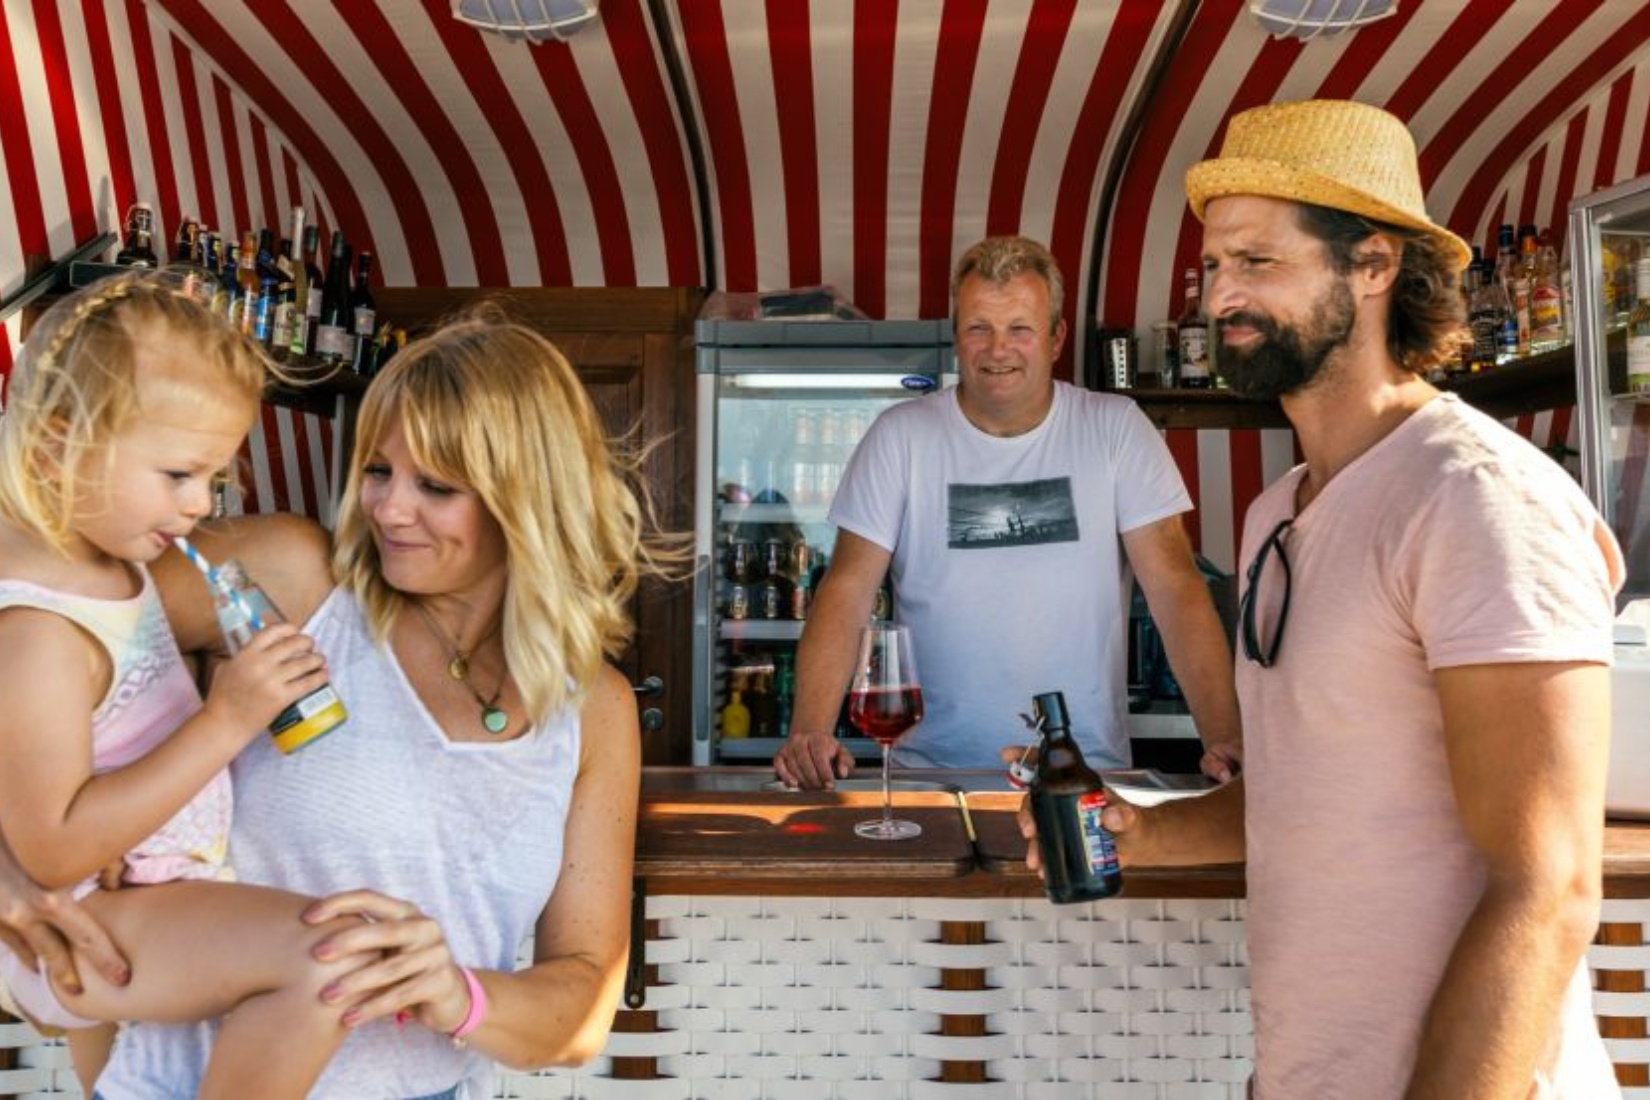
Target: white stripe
[(13, 271), (129, 93), (746, 26), (1003, 40), (320, 486), (916, 45), (296, 490), (599, 67), (161, 31), (832, 40), (263, 488), (94, 146), (28, 53), (554, 148), (1277, 453), (1214, 512), (376, 204)]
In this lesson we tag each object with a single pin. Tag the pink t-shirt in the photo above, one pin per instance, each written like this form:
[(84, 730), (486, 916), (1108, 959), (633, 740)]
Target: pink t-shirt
[(1450, 542)]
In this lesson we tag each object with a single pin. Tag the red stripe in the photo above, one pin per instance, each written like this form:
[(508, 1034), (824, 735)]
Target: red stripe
[(19, 158), (195, 135), (1046, 31), (1644, 147), (1126, 236), (234, 164), (1558, 432), (1533, 172), (475, 65), (1259, 86), (335, 183), (962, 24), (5, 331), (1615, 125), (707, 48), (1524, 425), (1433, 68), (152, 101), (1362, 53), (1570, 88), (282, 499), (302, 425), (1097, 119), (630, 36), (791, 53), (1183, 448), (115, 142), (402, 77), (1248, 475), (71, 152), (1568, 169), (601, 175), (266, 177), (873, 105)]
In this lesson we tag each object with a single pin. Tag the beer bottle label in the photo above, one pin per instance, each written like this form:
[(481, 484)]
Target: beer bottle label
[(1098, 844)]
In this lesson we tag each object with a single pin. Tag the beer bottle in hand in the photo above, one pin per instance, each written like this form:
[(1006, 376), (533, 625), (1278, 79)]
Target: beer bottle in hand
[(1079, 855)]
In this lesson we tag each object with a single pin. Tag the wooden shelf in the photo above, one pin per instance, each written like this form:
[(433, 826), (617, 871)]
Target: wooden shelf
[(1545, 381)]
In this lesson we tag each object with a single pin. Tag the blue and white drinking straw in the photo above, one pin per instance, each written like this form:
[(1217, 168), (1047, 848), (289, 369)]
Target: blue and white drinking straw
[(252, 617)]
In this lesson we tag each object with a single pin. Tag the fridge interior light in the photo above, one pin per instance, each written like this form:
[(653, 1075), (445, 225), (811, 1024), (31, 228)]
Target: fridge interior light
[(817, 381)]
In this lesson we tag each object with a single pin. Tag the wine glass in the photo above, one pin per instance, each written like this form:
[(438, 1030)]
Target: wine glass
[(884, 701)]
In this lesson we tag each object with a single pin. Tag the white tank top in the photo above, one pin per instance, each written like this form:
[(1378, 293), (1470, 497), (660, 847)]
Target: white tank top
[(470, 832)]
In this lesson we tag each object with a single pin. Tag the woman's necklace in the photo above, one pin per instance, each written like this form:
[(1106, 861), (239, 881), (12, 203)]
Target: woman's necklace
[(493, 718)]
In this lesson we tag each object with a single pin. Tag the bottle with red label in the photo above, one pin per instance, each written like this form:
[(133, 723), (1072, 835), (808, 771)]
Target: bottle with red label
[(1079, 855)]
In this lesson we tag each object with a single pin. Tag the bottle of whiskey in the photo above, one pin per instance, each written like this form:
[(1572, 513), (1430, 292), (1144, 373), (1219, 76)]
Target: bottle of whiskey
[(1195, 371), (332, 332)]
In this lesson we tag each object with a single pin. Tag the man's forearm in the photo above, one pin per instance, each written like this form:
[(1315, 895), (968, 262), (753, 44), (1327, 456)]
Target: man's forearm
[(1497, 1007), (1195, 641), (825, 656)]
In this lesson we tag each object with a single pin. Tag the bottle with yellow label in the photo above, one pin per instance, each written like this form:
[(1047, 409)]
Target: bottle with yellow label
[(243, 609), (736, 717)]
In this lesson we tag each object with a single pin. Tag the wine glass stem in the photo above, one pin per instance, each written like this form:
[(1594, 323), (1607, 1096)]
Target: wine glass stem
[(887, 796)]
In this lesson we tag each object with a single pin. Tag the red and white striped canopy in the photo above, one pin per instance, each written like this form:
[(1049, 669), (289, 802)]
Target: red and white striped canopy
[(860, 143)]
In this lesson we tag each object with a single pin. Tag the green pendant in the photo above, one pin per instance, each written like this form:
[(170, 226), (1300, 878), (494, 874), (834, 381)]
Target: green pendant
[(494, 719)]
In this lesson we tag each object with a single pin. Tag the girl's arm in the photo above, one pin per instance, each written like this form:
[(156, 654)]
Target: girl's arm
[(62, 822), (556, 1012)]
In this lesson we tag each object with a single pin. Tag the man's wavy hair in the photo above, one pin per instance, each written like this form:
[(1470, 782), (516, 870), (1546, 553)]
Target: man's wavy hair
[(999, 259), (1427, 321)]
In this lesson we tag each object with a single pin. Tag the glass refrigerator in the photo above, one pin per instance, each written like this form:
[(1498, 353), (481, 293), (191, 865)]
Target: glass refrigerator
[(1609, 245), (781, 406)]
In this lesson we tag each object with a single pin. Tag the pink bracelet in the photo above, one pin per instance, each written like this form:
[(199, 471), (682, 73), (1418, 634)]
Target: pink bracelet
[(478, 1007)]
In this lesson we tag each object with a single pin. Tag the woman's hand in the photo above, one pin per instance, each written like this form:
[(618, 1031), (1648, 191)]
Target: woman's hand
[(407, 970), (50, 925), (279, 666)]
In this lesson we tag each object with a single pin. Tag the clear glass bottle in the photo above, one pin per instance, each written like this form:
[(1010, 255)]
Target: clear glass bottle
[(243, 609), (1638, 333)]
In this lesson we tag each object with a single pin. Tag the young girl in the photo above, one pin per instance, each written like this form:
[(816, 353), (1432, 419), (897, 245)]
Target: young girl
[(130, 397)]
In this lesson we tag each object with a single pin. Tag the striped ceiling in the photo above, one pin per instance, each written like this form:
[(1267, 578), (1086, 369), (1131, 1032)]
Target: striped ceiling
[(762, 144)]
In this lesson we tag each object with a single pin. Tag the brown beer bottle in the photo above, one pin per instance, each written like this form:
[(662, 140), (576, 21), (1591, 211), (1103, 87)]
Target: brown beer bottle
[(1079, 856)]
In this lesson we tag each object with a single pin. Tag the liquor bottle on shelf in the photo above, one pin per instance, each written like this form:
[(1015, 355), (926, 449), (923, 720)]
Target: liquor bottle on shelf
[(763, 707), (1546, 299), (261, 321), (183, 245), (1638, 333), (139, 249), (243, 302), (306, 293), (1494, 332), (1193, 334), (289, 307), (363, 314), (332, 332), (1079, 855)]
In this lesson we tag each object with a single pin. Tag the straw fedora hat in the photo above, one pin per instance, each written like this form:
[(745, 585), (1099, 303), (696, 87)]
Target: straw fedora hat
[(1335, 153)]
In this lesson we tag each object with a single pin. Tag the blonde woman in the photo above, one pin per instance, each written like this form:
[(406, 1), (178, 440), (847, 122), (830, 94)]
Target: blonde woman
[(484, 788)]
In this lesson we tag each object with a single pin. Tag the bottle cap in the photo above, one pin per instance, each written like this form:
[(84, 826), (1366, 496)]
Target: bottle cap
[(1050, 709)]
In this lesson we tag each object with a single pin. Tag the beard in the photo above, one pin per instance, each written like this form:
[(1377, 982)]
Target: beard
[(1287, 359)]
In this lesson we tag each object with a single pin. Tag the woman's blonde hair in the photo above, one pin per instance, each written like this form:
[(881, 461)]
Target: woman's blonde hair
[(75, 386), (490, 404)]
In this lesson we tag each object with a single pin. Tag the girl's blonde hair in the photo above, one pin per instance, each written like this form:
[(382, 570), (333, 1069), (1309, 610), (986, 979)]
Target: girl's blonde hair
[(490, 404), (75, 386)]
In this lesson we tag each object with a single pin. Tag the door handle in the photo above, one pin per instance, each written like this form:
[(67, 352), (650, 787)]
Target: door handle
[(650, 688)]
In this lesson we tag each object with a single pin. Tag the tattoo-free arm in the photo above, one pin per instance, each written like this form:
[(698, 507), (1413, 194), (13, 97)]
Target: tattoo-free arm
[(1528, 746)]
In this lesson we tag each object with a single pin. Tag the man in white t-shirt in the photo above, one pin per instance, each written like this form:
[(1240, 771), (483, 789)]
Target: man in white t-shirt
[(1426, 630), (1009, 514)]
